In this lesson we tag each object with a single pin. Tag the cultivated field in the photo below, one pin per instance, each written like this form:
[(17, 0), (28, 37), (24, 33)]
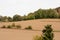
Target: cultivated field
[(14, 34)]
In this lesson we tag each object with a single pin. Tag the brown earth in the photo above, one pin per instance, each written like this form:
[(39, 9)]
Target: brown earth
[(14, 34), (36, 24)]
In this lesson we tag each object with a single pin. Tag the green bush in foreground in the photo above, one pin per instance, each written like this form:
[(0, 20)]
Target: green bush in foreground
[(47, 34)]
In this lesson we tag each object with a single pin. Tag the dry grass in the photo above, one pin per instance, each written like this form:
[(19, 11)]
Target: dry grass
[(36, 24)]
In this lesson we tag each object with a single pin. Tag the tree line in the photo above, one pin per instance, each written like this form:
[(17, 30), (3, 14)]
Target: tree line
[(39, 14)]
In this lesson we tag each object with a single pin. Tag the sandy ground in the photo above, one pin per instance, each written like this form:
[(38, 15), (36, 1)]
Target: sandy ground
[(14, 34), (36, 24)]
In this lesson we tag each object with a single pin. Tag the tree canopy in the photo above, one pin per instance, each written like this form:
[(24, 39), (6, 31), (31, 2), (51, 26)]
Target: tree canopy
[(39, 14)]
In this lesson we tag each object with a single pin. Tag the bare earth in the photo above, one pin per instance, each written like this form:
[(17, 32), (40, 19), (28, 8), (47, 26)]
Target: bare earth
[(15, 34)]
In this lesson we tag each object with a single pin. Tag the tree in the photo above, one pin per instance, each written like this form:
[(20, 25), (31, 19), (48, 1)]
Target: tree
[(31, 16), (48, 33), (59, 15), (51, 13), (24, 17), (10, 19), (4, 19), (45, 13), (1, 18), (38, 14), (17, 18)]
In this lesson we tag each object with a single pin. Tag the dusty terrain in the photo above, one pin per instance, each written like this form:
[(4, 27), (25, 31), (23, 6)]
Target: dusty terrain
[(36, 24), (14, 34)]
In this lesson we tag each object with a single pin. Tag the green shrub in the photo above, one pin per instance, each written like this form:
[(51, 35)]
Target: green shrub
[(29, 27), (3, 26), (48, 33)]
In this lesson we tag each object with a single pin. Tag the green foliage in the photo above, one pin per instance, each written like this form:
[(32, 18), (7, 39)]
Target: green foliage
[(10, 19), (39, 14), (1, 18), (30, 16), (50, 13), (24, 17), (4, 19), (48, 33), (17, 18), (29, 27), (59, 15)]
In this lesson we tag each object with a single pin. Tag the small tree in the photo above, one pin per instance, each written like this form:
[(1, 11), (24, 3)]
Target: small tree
[(47, 33)]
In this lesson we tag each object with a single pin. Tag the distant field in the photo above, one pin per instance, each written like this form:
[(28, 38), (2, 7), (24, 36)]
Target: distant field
[(14, 34), (36, 24)]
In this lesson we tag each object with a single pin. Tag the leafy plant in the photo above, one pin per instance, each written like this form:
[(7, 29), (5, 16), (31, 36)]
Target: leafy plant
[(48, 33)]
